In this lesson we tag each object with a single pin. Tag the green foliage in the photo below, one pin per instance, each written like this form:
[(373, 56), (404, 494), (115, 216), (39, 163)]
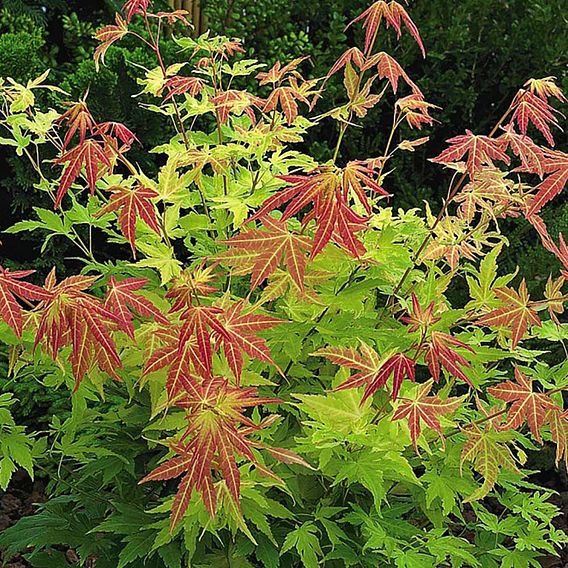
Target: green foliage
[(261, 361), (15, 446)]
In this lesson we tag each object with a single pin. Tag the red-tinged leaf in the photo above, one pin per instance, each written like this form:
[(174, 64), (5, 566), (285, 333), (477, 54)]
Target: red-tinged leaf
[(416, 111), (516, 314), (531, 155), (240, 329), (527, 405), (372, 18), (373, 372), (546, 88), (288, 456), (265, 250), (480, 151), (191, 285), (121, 297), (556, 165), (323, 188), (420, 319), (170, 469), (175, 16), (489, 455), (72, 317), (278, 72), (394, 14), (119, 132), (132, 204), (227, 463), (133, 7), (180, 85), (398, 14), (101, 334), (400, 367), (489, 191), (78, 119), (236, 102), (199, 323), (531, 109), (359, 175), (558, 422), (390, 69), (89, 154), (285, 98), (107, 36), (215, 415), (353, 56), (82, 352), (441, 354), (11, 287), (425, 409)]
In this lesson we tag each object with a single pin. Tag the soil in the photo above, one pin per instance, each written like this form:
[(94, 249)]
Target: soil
[(18, 501)]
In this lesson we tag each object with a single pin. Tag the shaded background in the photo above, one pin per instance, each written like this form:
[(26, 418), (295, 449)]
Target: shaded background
[(479, 53)]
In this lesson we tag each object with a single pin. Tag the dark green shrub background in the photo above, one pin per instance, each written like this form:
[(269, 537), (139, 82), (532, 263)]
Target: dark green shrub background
[(479, 53)]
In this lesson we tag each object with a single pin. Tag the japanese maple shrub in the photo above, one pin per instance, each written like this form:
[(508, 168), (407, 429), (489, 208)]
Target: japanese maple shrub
[(271, 372)]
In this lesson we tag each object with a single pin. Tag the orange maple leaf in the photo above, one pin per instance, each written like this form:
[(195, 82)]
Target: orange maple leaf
[(516, 314)]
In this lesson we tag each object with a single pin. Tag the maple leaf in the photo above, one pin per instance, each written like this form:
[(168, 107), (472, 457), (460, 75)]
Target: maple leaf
[(278, 72), (558, 422), (240, 336), (264, 250), (529, 108), (108, 35), (90, 154), (420, 319), (489, 191), (179, 85), (190, 285), (352, 56), (489, 454), (416, 110), (133, 7), (215, 413), (175, 16), (531, 155), (394, 15), (480, 150), (389, 68), (426, 409), (70, 316), (322, 187), (286, 98), (441, 354), (118, 131), (398, 15), (357, 176), (554, 296), (199, 323), (179, 358), (526, 403), (546, 88), (373, 372), (11, 288), (516, 314), (78, 119), (556, 165), (120, 297), (236, 102), (131, 204)]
